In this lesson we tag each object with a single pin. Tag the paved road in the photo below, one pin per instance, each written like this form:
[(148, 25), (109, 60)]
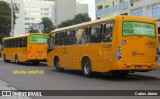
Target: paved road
[(73, 80)]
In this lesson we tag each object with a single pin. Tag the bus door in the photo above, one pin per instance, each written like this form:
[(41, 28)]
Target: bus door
[(107, 39), (60, 49), (69, 48)]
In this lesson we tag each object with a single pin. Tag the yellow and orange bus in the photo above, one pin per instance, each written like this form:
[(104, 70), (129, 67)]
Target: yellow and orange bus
[(29, 47), (119, 44), (0, 50)]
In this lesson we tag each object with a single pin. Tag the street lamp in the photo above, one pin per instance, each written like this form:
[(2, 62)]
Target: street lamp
[(12, 24)]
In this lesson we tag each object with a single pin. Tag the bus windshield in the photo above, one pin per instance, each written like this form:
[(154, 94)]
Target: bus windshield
[(139, 29), (38, 39)]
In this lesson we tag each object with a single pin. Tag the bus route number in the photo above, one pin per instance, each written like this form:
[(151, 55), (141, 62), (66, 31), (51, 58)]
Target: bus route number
[(108, 46)]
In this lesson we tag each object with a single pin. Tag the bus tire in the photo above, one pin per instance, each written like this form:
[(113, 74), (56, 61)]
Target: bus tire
[(16, 59), (58, 65), (86, 68), (35, 63), (5, 60), (120, 73)]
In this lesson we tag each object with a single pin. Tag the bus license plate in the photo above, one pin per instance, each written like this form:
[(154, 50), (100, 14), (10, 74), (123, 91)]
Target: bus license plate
[(138, 67)]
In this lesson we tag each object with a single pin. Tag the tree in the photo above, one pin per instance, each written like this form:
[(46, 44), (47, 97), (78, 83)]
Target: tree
[(31, 30), (48, 25), (5, 19), (80, 18), (66, 23)]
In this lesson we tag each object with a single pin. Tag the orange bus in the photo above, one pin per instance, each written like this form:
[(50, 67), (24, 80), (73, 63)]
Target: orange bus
[(120, 44), (28, 47), (0, 50)]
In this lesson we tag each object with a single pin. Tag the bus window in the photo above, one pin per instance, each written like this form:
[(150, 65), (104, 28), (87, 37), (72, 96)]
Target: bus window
[(70, 37), (51, 42), (95, 33), (80, 36), (24, 42), (0, 46), (59, 39), (108, 29)]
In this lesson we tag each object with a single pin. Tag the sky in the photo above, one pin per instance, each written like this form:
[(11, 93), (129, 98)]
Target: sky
[(91, 7)]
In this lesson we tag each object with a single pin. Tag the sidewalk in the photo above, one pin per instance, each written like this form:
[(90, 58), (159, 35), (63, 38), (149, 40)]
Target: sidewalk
[(5, 86)]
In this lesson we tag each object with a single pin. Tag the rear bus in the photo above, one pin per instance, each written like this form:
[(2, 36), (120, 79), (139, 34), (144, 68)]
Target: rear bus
[(137, 48)]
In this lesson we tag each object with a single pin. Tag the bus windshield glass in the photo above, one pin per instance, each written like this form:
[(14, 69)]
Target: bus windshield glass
[(139, 29), (38, 39)]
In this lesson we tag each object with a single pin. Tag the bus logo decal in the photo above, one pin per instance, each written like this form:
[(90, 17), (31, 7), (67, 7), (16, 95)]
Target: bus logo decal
[(124, 42)]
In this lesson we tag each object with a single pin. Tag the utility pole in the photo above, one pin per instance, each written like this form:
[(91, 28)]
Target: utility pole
[(12, 24)]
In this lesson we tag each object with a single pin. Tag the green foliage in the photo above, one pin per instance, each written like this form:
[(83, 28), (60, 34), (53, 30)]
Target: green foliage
[(80, 18), (31, 30), (48, 25), (5, 19)]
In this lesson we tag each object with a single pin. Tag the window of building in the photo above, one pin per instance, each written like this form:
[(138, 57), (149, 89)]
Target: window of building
[(33, 23), (33, 18), (137, 12), (46, 9), (156, 10), (115, 2), (99, 6), (27, 18), (122, 1), (27, 23), (106, 3)]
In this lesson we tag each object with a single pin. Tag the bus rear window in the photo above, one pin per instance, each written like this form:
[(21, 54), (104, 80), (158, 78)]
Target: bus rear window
[(139, 29), (38, 39)]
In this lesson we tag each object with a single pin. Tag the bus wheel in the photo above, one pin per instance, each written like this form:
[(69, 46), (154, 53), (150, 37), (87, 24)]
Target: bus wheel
[(16, 59), (35, 63), (4, 56), (120, 73), (58, 65), (5, 60), (86, 68)]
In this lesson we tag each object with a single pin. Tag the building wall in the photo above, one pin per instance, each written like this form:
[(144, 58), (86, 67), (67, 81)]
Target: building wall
[(81, 8), (106, 8), (31, 12), (149, 8), (65, 10), (35, 10)]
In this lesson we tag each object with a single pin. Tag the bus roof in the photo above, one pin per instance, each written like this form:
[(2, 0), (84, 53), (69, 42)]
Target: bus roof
[(19, 36), (99, 21)]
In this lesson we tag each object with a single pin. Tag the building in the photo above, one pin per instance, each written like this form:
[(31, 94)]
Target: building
[(105, 8), (34, 10), (30, 12), (67, 9), (149, 8)]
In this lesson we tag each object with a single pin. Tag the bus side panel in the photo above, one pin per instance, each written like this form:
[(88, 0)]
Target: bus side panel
[(21, 54)]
